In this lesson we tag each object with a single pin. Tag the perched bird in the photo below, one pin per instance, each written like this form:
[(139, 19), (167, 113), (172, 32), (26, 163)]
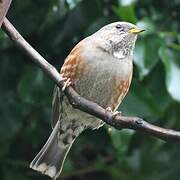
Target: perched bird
[(100, 69)]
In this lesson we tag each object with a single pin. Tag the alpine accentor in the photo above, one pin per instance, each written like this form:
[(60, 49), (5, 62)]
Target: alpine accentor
[(100, 69)]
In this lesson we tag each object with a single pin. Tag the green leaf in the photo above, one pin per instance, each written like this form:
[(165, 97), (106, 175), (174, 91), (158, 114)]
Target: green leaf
[(120, 140), (126, 13), (147, 25), (146, 54), (155, 81), (140, 102), (11, 116), (15, 174), (171, 61), (35, 88), (126, 2)]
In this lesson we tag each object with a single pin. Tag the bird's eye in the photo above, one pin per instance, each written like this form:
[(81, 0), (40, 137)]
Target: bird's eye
[(119, 27)]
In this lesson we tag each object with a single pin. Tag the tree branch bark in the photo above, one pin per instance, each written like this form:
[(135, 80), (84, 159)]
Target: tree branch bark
[(118, 122), (4, 6)]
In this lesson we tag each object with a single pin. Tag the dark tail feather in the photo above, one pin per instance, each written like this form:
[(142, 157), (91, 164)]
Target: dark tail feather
[(51, 158)]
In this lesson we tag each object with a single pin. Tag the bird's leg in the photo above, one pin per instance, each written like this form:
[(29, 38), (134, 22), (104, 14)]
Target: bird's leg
[(108, 109), (117, 113), (114, 114), (67, 82)]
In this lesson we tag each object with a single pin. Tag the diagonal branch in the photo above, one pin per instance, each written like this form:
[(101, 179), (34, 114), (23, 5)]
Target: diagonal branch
[(118, 122), (4, 6)]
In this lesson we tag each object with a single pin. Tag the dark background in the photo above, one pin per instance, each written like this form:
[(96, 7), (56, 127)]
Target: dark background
[(53, 27)]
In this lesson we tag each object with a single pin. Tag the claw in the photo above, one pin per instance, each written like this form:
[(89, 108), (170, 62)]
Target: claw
[(108, 109), (67, 83), (117, 113), (63, 78)]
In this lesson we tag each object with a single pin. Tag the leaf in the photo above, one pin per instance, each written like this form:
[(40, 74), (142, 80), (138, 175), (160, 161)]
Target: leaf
[(26, 21), (146, 54), (73, 3), (120, 140), (161, 97), (126, 2), (10, 116), (35, 88), (15, 175), (147, 25), (171, 61), (140, 102), (126, 13)]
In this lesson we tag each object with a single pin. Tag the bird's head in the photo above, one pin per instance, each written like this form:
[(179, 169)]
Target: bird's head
[(119, 37)]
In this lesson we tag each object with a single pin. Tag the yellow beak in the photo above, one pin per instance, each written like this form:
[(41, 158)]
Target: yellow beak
[(136, 30)]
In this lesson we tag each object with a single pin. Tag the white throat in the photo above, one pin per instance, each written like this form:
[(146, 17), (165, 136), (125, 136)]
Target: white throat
[(119, 54)]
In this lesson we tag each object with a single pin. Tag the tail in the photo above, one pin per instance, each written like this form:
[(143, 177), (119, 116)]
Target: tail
[(50, 159)]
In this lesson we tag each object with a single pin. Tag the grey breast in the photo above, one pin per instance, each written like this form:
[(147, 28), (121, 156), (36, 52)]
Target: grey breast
[(98, 84)]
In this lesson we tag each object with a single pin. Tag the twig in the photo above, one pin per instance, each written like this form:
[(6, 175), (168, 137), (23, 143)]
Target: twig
[(4, 6), (118, 122)]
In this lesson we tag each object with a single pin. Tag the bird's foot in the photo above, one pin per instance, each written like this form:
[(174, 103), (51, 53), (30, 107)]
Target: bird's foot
[(67, 83), (117, 113), (108, 109)]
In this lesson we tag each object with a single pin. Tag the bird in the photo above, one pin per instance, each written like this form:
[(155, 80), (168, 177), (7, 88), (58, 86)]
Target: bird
[(100, 69)]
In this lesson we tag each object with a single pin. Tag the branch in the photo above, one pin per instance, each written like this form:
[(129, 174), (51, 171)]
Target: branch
[(4, 6), (118, 122)]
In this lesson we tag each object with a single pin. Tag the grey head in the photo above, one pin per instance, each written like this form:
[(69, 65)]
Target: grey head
[(117, 38)]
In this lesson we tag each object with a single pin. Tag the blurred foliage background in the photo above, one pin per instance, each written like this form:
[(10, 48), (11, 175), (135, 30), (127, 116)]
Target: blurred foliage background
[(53, 27)]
